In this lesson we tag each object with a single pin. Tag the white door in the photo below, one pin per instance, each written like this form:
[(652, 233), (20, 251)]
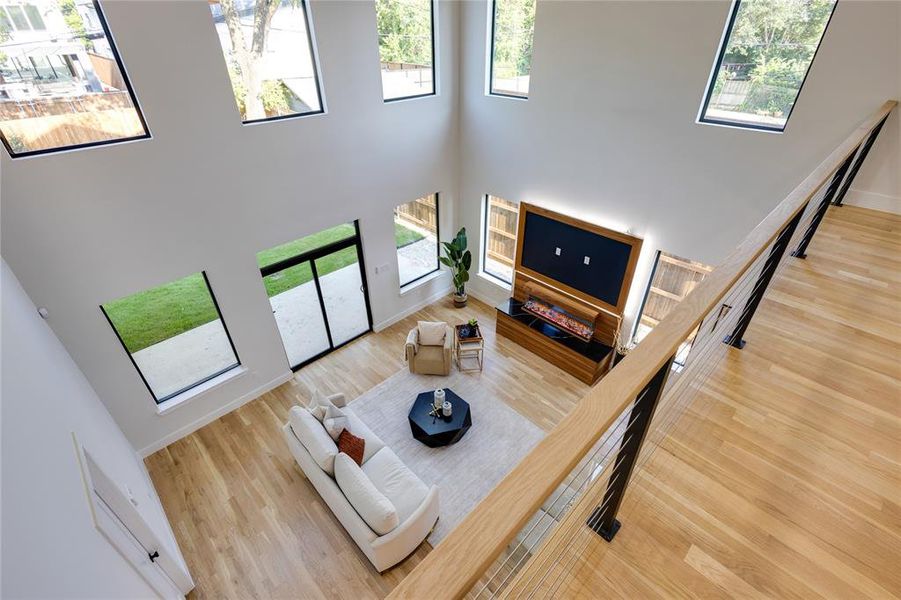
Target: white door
[(120, 522)]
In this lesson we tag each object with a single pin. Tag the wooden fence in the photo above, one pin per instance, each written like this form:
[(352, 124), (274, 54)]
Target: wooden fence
[(503, 219), (422, 213), (60, 122)]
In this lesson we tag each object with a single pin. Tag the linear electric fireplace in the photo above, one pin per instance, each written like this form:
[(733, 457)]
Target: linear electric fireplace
[(559, 318)]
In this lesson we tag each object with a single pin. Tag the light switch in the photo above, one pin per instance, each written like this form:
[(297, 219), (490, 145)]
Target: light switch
[(557, 251), (587, 260)]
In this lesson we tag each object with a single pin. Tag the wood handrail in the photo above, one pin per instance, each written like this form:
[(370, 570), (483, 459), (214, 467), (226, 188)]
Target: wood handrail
[(453, 567)]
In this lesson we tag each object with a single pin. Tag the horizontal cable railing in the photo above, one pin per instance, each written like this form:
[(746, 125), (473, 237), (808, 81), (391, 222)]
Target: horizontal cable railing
[(550, 568), (525, 537)]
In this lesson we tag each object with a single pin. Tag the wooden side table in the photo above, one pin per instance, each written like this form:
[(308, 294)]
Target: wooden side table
[(469, 349)]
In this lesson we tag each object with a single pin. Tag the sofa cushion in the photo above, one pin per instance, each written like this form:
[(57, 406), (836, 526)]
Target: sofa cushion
[(371, 504), (352, 446), (430, 359), (359, 429), (335, 421), (314, 438), (398, 483), (318, 405), (431, 333)]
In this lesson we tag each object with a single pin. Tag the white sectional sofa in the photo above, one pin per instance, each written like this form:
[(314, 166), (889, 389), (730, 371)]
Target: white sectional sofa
[(385, 507)]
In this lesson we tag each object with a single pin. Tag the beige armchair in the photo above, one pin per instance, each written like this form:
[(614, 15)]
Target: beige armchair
[(430, 360)]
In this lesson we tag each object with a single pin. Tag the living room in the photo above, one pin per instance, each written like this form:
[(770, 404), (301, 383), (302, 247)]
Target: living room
[(191, 287)]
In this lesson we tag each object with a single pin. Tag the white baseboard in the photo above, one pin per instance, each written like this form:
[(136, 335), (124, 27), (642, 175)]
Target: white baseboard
[(872, 200), (441, 293), (212, 416)]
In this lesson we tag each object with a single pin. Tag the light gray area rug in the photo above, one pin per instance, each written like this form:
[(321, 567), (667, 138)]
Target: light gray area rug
[(466, 471)]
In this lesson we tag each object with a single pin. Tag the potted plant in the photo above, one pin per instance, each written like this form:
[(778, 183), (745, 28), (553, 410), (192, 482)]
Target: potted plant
[(458, 259), (470, 329)]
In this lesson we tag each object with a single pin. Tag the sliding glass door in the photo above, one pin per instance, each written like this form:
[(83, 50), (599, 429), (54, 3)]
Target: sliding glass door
[(343, 294), (295, 305), (317, 289)]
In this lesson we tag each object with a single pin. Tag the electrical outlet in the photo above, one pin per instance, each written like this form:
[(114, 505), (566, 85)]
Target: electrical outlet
[(587, 260), (557, 251)]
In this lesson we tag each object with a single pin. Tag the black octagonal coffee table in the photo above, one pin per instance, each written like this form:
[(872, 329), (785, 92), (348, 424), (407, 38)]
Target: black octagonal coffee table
[(436, 431)]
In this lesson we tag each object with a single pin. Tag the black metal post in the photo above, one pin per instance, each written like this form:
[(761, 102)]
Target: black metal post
[(800, 251), (603, 519), (860, 158), (735, 339)]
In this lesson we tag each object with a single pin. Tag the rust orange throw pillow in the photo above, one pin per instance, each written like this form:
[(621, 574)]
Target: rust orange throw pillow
[(352, 446)]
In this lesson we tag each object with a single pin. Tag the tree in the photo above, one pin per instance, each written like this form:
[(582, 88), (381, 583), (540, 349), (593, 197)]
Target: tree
[(252, 92), (75, 23), (405, 31), (4, 37), (772, 44), (514, 22)]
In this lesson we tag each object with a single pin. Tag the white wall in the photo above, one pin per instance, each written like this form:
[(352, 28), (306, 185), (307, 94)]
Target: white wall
[(878, 184), (50, 547), (608, 133), (83, 228)]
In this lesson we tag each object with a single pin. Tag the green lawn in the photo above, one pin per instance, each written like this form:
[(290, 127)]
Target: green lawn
[(295, 276), (305, 244), (404, 236), (157, 314)]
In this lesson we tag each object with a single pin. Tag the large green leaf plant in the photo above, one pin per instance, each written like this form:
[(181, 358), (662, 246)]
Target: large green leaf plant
[(459, 260)]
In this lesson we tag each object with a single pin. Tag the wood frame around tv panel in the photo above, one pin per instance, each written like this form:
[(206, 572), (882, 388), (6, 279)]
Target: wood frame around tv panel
[(634, 242), (607, 317)]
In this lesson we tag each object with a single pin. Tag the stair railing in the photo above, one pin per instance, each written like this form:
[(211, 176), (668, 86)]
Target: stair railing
[(571, 482)]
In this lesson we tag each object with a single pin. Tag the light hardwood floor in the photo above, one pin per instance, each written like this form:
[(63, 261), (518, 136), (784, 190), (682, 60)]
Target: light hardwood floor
[(248, 522), (782, 478)]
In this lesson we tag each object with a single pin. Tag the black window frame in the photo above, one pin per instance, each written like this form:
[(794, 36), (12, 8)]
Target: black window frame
[(207, 378), (437, 268), (314, 58), (134, 101), (434, 91), (311, 256), (491, 91), (721, 53), (644, 298), (487, 205)]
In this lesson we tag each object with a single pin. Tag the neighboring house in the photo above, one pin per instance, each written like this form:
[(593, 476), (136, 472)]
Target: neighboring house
[(43, 57)]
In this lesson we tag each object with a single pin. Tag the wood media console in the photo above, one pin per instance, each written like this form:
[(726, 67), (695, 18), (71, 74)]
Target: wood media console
[(570, 284)]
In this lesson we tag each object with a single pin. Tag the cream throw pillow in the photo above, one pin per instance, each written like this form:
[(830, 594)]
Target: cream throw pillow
[(335, 421), (319, 405), (367, 500), (432, 333), (314, 438)]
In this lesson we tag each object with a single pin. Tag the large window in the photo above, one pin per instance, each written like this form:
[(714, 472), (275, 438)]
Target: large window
[(512, 25), (765, 54), (499, 245), (671, 281), (416, 236), (174, 335), (270, 58), (62, 83), (406, 47), (317, 288)]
